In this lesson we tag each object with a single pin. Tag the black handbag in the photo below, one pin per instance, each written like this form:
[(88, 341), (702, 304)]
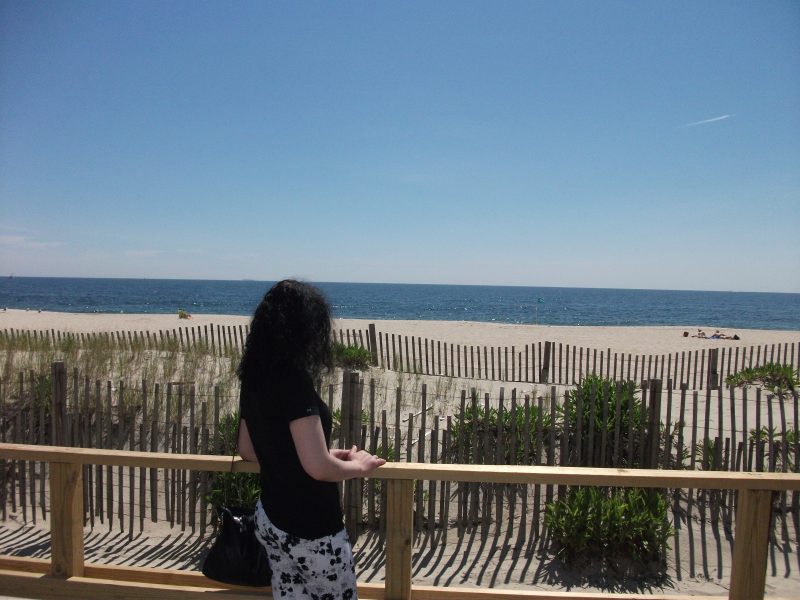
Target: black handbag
[(237, 557)]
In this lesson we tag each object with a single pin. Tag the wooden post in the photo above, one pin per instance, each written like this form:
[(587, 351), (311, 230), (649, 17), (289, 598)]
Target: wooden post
[(545, 370), (59, 383), (713, 366), (399, 532), (749, 568), (66, 519), (351, 424)]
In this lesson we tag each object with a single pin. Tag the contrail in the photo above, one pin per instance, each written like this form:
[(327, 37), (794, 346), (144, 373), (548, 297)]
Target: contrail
[(722, 118)]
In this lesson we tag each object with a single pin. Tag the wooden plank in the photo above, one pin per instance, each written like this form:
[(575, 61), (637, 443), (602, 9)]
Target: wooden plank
[(154, 432), (784, 458), (66, 519), (109, 468), (615, 461), (537, 492), (59, 383), (445, 486), (132, 583), (421, 453), (399, 535), (590, 426), (551, 455), (745, 432), (512, 460), (434, 459), (749, 567), (481, 473), (706, 430), (462, 489), (579, 400), (526, 457), (474, 455), (131, 480), (604, 431), (42, 434), (759, 440), (668, 428), (204, 488), (499, 458), (3, 467)]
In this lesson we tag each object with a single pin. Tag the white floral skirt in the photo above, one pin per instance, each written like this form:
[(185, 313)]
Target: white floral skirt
[(320, 569)]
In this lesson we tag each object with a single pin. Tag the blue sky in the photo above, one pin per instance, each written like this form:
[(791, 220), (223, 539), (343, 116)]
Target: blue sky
[(591, 144)]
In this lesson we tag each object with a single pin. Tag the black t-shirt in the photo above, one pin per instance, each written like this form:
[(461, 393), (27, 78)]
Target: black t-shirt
[(292, 499)]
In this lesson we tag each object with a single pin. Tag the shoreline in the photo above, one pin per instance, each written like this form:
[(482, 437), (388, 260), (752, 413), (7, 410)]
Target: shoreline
[(648, 339)]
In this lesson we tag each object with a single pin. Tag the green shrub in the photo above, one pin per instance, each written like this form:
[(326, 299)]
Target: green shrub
[(601, 394), (479, 423), (775, 377), (351, 357), (611, 524), (774, 446)]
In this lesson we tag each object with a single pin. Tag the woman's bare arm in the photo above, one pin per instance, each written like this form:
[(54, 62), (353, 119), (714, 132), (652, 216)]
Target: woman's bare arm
[(325, 465), (245, 444)]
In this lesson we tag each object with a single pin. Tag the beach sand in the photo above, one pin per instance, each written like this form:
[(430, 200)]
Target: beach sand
[(633, 340)]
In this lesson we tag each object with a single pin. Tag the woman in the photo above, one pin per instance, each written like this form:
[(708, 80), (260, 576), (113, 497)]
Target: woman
[(286, 427)]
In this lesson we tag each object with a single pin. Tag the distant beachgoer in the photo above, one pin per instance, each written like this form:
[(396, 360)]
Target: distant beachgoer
[(700, 334)]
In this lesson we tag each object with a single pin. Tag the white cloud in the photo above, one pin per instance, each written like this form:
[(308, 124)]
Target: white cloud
[(704, 121)]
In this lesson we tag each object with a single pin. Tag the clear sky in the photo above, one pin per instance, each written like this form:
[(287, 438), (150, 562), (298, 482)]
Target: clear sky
[(594, 144)]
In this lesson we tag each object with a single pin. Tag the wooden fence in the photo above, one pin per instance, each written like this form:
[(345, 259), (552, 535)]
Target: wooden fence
[(67, 575), (659, 427), (550, 362), (538, 362)]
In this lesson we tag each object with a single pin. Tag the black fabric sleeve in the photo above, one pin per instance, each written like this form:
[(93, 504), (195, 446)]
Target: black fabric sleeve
[(243, 410), (299, 398)]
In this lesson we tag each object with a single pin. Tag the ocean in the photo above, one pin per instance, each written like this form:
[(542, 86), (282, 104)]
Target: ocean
[(502, 304)]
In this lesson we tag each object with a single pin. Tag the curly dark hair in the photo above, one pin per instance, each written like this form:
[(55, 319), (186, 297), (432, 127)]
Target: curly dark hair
[(291, 329)]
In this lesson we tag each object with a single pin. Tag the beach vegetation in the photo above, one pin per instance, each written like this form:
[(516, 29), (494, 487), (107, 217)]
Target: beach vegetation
[(614, 525), (610, 524), (336, 418), (599, 407), (494, 431), (351, 357), (106, 356), (232, 489), (777, 378), (778, 449), (708, 454)]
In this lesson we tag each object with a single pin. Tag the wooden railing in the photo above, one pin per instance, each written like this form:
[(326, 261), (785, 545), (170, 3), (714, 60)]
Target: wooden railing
[(66, 575)]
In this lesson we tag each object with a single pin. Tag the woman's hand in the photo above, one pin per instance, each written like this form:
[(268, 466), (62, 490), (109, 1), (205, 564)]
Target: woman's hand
[(368, 462), (340, 454), (324, 464), (365, 461)]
